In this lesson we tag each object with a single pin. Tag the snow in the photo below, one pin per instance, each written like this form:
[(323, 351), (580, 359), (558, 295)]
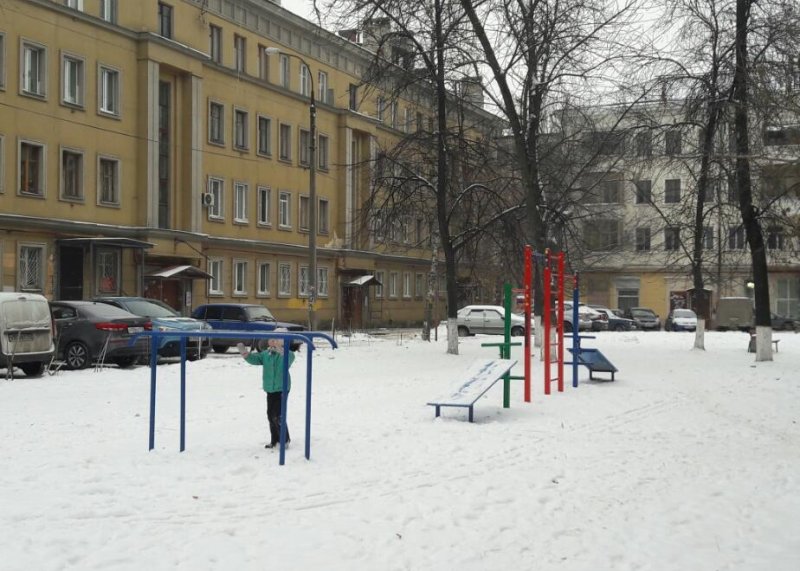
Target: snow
[(689, 460)]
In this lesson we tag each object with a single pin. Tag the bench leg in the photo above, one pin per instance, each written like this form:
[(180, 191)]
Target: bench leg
[(470, 414), (437, 411)]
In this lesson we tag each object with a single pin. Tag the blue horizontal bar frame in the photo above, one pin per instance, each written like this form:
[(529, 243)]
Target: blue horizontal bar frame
[(305, 337)]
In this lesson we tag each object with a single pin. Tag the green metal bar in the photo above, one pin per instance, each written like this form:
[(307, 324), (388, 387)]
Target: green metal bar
[(506, 349)]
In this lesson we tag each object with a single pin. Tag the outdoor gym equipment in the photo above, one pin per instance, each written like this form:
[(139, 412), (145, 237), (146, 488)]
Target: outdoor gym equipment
[(306, 337)]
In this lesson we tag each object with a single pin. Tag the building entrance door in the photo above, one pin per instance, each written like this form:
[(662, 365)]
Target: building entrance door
[(70, 273), (352, 307), (168, 291)]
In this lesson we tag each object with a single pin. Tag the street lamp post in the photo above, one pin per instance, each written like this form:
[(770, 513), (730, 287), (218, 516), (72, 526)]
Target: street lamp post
[(312, 190)]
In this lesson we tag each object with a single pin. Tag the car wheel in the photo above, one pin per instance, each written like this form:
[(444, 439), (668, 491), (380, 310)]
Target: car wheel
[(195, 356), (517, 331), (619, 327), (220, 348), (125, 362), (76, 355), (32, 369), (463, 331)]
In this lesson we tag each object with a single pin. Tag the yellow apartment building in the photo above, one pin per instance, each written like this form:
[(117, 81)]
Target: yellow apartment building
[(157, 148)]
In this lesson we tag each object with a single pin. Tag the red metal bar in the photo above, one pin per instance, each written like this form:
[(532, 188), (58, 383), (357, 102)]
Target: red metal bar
[(527, 293), (560, 324), (546, 320)]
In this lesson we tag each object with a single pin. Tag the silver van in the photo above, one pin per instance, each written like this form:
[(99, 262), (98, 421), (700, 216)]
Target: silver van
[(26, 332), (734, 313)]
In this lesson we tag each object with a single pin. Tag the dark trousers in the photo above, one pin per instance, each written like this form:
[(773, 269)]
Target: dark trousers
[(274, 418)]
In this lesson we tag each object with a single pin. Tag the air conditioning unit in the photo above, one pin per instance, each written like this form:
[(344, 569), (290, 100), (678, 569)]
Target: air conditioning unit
[(208, 199)]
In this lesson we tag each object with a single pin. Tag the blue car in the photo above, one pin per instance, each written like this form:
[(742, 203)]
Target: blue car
[(242, 317), (164, 318)]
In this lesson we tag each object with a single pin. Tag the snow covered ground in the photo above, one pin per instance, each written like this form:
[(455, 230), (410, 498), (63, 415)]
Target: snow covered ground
[(689, 461)]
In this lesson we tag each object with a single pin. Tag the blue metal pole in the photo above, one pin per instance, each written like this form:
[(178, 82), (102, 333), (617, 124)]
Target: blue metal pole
[(310, 348), (576, 338), (153, 364), (284, 399), (183, 393)]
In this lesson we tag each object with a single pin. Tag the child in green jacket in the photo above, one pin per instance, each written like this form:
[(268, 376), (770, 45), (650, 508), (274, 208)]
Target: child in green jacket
[(271, 361)]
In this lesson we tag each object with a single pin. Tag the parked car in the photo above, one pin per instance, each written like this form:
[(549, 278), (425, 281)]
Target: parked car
[(645, 318), (26, 332), (734, 313), (487, 319), (589, 319), (244, 317), (615, 322), (681, 320), (781, 323), (164, 318), (89, 330)]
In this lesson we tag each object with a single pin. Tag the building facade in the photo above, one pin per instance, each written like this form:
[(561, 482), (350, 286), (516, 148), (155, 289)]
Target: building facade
[(160, 149)]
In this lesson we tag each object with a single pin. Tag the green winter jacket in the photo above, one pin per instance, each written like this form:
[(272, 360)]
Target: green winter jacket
[(272, 369)]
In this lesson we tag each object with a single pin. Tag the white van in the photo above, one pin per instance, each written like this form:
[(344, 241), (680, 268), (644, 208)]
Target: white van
[(734, 313), (26, 332)]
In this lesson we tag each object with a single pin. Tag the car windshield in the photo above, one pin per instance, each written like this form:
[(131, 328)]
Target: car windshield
[(684, 313), (642, 313), (150, 308), (259, 313)]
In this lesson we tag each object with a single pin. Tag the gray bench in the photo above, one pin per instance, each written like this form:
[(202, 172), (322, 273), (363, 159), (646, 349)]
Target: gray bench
[(480, 377)]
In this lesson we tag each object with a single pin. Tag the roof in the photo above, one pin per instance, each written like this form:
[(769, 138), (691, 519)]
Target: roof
[(106, 241), (364, 280), (184, 271)]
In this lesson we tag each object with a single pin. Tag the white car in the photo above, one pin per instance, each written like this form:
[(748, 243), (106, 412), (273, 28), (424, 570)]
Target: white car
[(487, 319)]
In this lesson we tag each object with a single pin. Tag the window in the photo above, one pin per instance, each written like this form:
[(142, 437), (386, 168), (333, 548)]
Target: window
[(239, 277), (30, 274), (284, 210), (264, 136), (239, 202), (216, 123), (263, 63), (302, 221), (109, 91), (419, 286), (643, 144), (672, 142), (322, 152), (672, 190), (71, 175), (379, 286), (264, 276), (284, 279), (215, 270), (72, 80), (215, 43), (285, 71), (108, 10), (322, 87), (305, 80), (392, 284), (643, 239), (76, 4), (708, 238), (381, 109), (264, 206), (2, 60), (165, 20), (672, 238), (323, 226), (609, 191), (322, 281), (34, 69), (305, 147), (240, 134), (2, 164), (285, 142), (302, 281), (601, 234), (353, 97), (736, 238), (775, 238), (108, 178), (393, 110), (216, 188), (239, 53), (31, 168), (407, 285), (107, 271), (643, 191), (627, 298), (787, 301), (420, 123)]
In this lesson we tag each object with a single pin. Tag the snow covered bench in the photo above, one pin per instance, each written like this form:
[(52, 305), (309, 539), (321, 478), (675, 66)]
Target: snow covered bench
[(480, 377)]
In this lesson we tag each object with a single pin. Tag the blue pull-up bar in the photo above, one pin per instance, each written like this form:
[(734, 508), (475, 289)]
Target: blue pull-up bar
[(304, 337)]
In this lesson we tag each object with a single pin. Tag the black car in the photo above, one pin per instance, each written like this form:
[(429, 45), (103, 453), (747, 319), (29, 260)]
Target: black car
[(645, 318), (244, 317), (615, 322), (88, 331)]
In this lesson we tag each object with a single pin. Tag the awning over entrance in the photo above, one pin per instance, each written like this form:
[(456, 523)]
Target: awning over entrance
[(364, 281), (103, 241), (181, 272)]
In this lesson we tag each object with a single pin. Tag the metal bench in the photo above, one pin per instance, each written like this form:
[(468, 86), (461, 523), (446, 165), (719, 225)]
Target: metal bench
[(480, 377), (595, 361)]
